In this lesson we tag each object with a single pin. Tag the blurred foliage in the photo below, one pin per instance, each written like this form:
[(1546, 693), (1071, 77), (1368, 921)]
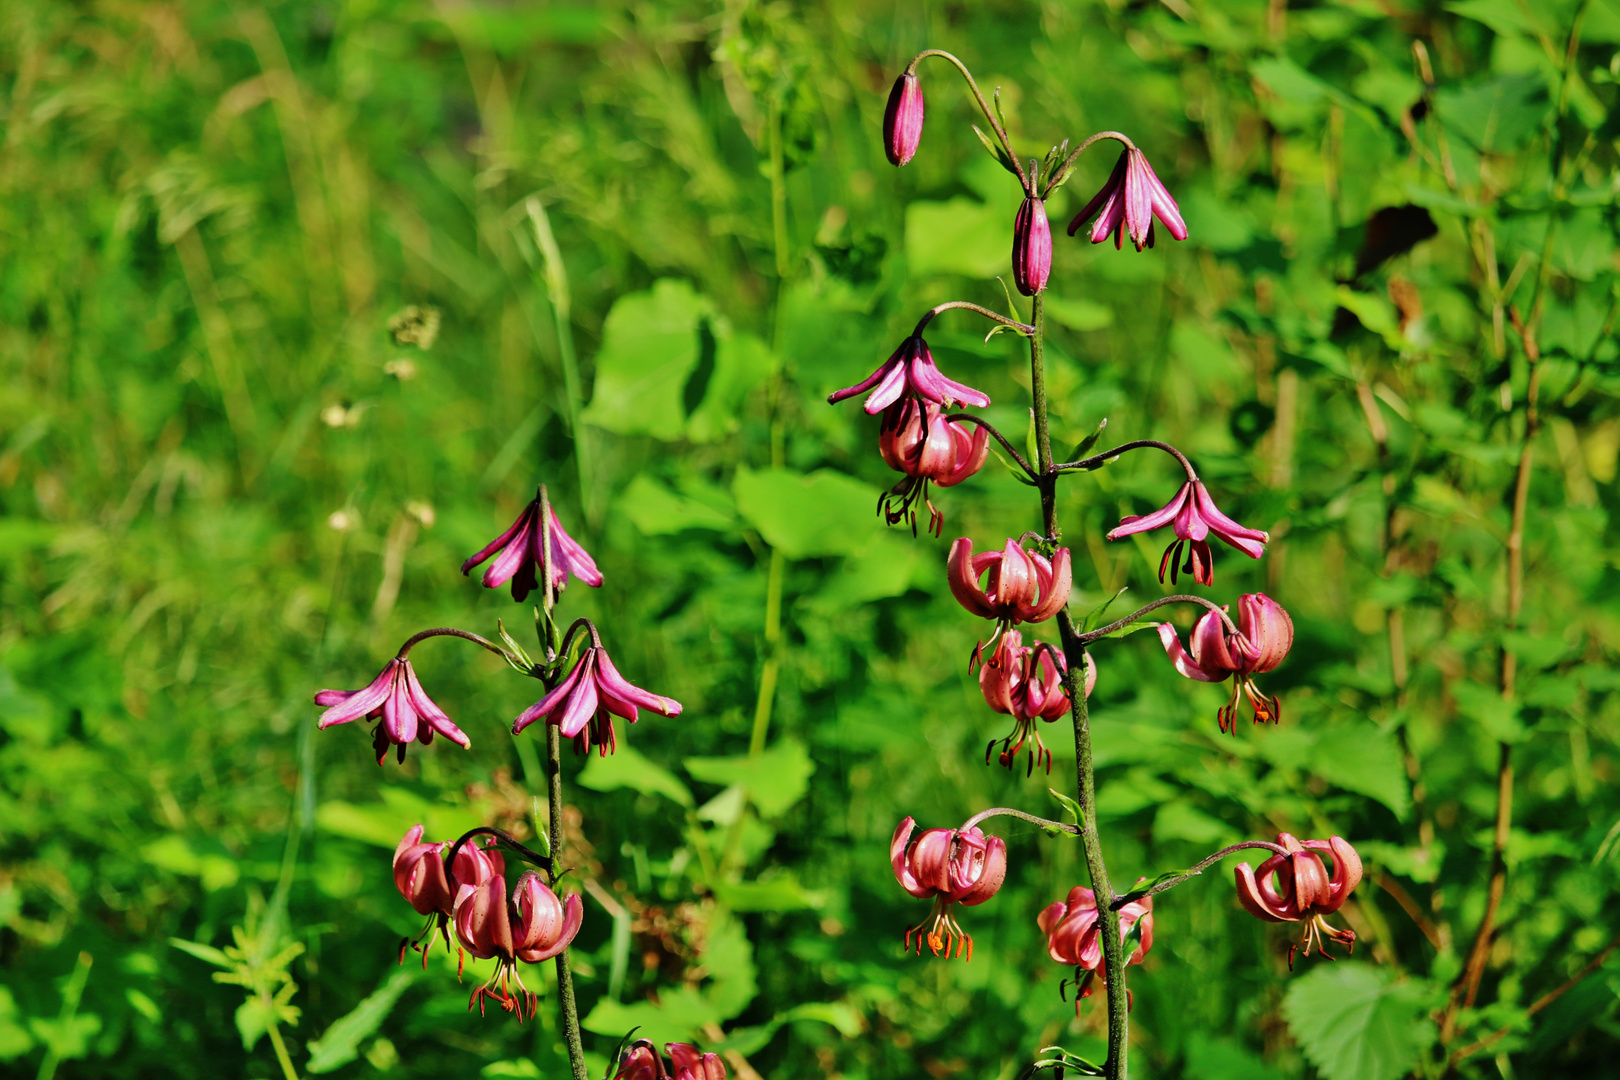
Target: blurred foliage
[(298, 302)]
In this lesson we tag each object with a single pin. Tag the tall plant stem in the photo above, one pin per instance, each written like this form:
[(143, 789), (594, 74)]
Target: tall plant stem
[(1074, 652), (554, 805)]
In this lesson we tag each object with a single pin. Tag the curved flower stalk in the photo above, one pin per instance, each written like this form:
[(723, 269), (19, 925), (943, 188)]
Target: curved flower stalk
[(581, 704), (519, 553), (910, 372), (1026, 682), (397, 698), (1265, 634), (1296, 887), (1019, 586), (954, 866), (1127, 204), (419, 875), (1194, 516), (686, 1062), (536, 927), (903, 119), (1072, 936), (917, 440)]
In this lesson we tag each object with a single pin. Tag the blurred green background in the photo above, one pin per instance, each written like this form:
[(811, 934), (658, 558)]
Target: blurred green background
[(298, 302)]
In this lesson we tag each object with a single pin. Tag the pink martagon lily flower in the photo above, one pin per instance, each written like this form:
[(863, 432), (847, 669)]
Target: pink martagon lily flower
[(1026, 682), (485, 926), (1303, 891), (1032, 247), (521, 551), (419, 875), (396, 697), (1129, 201), (546, 925), (916, 439), (580, 705), (910, 370), (1020, 586), (1265, 634), (687, 1062), (903, 119), (954, 866), (1194, 516), (1072, 935)]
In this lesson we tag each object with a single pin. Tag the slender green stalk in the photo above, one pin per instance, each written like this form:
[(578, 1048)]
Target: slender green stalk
[(561, 308), (273, 1030), (71, 993), (1074, 652)]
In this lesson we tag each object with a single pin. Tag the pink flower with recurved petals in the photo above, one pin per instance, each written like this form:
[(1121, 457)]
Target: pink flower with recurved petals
[(953, 866), (1264, 635), (1026, 682), (580, 705), (1295, 887), (686, 1062), (1194, 515), (484, 925), (1072, 936), (395, 696), (910, 371), (917, 440), (522, 551), (1020, 586), (1129, 201), (903, 119), (419, 875)]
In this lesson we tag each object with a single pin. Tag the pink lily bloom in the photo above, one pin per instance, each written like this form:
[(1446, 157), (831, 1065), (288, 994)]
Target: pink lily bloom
[(1194, 515), (521, 549), (1026, 683), (397, 697), (916, 439), (1032, 247), (1072, 936), (1129, 201), (953, 866), (485, 927), (686, 1062), (903, 119), (1020, 586), (1265, 634), (580, 704), (1296, 888), (419, 875), (910, 371)]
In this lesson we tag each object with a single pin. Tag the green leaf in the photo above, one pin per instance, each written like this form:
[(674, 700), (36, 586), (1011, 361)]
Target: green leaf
[(650, 347), (253, 1018), (174, 853), (1131, 627), (206, 953), (1225, 1059), (627, 767), (822, 513), (742, 362), (1079, 314), (730, 959), (1071, 806), (1496, 716), (774, 780), (658, 511), (1365, 761), (14, 1039), (67, 1037), (516, 1068), (1496, 114), (780, 892), (340, 1043), (1356, 1023), (681, 1014), (887, 568)]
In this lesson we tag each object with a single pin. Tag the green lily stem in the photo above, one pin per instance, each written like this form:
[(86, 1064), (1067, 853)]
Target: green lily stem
[(1074, 651)]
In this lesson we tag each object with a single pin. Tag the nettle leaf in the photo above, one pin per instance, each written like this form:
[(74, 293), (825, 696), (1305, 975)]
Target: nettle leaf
[(1364, 761), (1355, 1022)]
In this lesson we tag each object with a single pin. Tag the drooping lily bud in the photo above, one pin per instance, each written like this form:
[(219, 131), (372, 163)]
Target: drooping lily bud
[(952, 866), (521, 550), (1296, 887), (1129, 201), (1032, 247), (903, 119), (910, 371)]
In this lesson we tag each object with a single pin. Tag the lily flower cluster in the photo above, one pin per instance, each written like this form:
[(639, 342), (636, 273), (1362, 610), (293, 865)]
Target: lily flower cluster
[(469, 894), (1072, 927), (684, 1061)]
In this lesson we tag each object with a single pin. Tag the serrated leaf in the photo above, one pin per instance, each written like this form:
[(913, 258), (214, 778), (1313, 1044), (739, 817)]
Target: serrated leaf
[(1356, 1023)]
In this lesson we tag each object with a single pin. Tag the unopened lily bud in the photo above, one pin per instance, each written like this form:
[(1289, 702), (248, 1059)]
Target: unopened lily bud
[(903, 119), (1032, 247)]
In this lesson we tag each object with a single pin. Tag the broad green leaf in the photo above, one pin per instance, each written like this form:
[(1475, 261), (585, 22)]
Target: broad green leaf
[(1496, 716), (515, 1069), (340, 1043), (1496, 114), (781, 892), (650, 347), (658, 511), (1365, 761), (822, 513), (1224, 1058), (252, 1021), (1355, 1022), (1178, 821), (888, 567), (14, 1039), (730, 959), (627, 767), (741, 363), (774, 780), (680, 1015), (1292, 83), (68, 1038), (373, 824)]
